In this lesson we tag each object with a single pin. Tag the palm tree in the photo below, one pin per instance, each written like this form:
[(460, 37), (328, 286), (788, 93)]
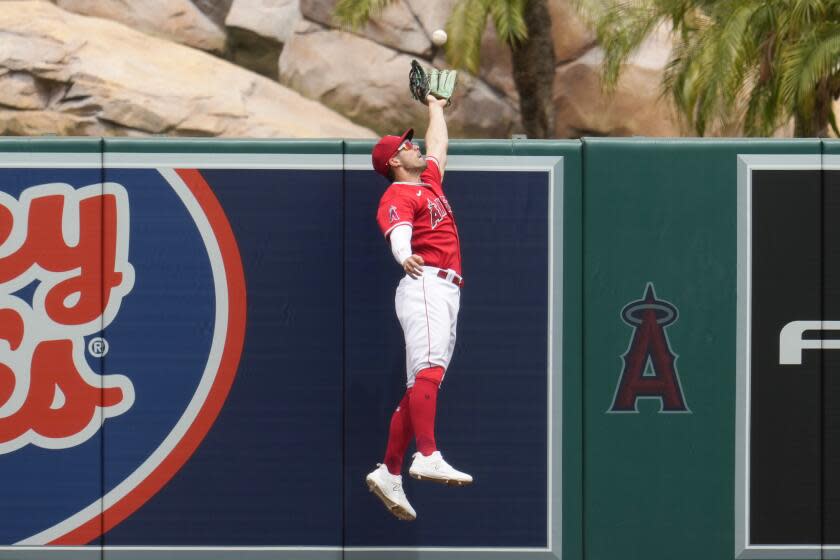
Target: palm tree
[(523, 25), (755, 64)]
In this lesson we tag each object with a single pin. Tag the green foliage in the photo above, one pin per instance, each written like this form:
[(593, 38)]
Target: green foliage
[(468, 21), (355, 13), (752, 63), (465, 26), (508, 17)]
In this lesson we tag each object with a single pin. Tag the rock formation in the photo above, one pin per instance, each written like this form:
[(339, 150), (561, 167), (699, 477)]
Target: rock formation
[(64, 73), (636, 108), (67, 74), (258, 29), (363, 74), (371, 86), (176, 20)]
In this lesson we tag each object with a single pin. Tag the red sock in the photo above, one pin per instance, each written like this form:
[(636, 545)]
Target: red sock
[(423, 407), (399, 435)]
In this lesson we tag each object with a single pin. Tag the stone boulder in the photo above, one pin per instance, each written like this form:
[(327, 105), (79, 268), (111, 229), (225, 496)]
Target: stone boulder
[(176, 20), (216, 10), (271, 19), (570, 34), (431, 14), (836, 116), (371, 85), (636, 108), (396, 27), (497, 64), (257, 30), (62, 73), (408, 26)]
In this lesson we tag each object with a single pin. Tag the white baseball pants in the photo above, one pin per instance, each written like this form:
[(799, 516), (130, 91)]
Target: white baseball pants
[(427, 308)]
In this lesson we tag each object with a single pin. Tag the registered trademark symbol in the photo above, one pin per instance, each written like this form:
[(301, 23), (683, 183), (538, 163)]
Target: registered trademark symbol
[(98, 347)]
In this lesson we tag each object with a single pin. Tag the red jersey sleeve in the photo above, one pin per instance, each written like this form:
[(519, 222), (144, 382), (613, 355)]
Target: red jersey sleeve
[(432, 173), (395, 210)]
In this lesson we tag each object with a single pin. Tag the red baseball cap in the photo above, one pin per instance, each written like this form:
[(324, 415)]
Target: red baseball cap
[(385, 150)]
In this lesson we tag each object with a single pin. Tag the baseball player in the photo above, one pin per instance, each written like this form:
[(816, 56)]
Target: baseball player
[(417, 220)]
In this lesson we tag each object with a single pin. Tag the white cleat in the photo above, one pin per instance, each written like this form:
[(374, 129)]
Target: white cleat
[(388, 488), (434, 468)]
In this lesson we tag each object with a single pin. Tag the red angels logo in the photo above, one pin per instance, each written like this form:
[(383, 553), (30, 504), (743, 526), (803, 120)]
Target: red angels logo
[(649, 362), (74, 244), (393, 217), (437, 211)]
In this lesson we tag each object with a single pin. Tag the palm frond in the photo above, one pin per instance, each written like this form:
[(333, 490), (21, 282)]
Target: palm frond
[(509, 20), (756, 63), (744, 41), (788, 64), (820, 62), (465, 28), (805, 14), (621, 31), (353, 14)]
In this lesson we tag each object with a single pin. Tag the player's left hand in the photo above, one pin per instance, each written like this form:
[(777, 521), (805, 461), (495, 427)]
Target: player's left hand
[(432, 100)]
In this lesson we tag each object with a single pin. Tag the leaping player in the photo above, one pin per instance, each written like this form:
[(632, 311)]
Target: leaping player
[(416, 218)]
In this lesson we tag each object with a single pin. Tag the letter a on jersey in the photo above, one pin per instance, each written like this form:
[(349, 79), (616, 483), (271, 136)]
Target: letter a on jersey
[(436, 212), (649, 370)]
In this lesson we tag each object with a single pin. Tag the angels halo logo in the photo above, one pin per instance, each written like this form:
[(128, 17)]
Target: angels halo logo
[(122, 320)]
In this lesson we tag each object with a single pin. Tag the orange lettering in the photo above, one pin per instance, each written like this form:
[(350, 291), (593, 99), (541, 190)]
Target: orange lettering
[(94, 256), (53, 370)]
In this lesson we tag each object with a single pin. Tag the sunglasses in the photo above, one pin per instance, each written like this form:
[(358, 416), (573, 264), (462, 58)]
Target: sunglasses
[(407, 145)]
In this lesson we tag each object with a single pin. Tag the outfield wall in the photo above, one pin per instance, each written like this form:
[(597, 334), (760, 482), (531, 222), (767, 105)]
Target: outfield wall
[(199, 355)]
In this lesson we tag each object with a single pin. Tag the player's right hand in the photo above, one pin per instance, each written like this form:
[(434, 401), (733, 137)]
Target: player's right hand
[(413, 266)]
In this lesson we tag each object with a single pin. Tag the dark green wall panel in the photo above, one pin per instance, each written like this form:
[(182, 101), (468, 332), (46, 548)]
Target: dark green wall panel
[(660, 485)]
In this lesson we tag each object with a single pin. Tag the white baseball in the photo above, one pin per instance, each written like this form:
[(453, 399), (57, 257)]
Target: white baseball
[(439, 37)]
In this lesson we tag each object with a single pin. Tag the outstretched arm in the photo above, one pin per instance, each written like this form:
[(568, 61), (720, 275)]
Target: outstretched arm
[(437, 137)]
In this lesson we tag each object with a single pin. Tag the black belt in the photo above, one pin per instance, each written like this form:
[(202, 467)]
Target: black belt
[(455, 279)]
